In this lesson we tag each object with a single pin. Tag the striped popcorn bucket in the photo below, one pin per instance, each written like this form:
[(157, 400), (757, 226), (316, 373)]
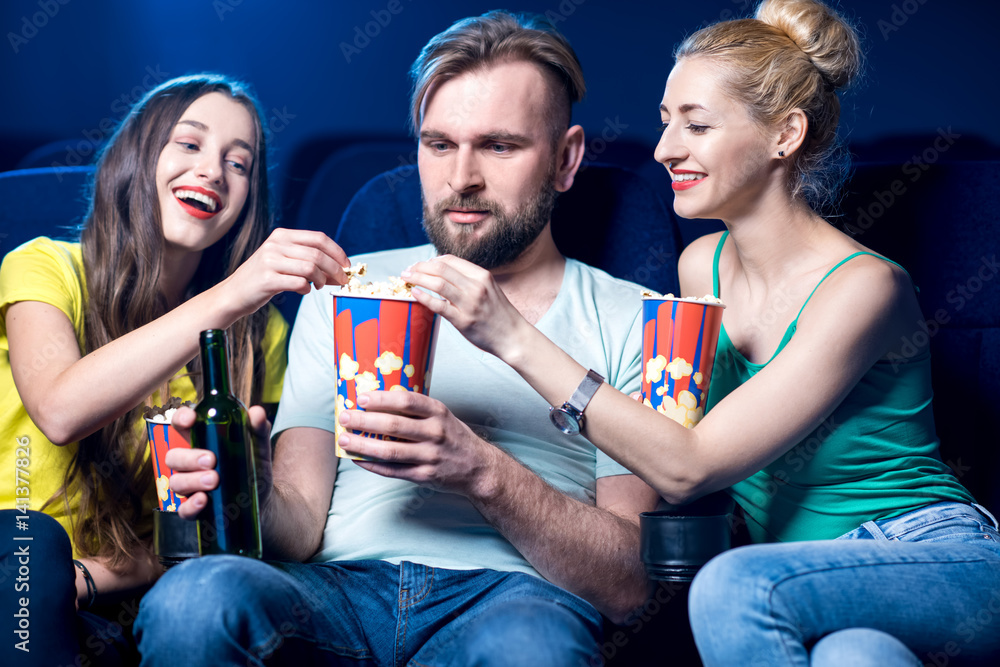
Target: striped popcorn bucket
[(162, 437), (380, 343), (678, 350)]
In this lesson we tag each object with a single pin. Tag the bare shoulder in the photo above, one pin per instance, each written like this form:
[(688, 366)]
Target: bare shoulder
[(695, 265), (878, 294)]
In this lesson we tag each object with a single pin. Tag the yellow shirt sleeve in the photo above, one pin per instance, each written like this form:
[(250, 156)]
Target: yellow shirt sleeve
[(47, 271), (275, 347)]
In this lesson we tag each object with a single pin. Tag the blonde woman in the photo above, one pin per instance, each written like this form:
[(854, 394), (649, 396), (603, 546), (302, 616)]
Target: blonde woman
[(879, 553)]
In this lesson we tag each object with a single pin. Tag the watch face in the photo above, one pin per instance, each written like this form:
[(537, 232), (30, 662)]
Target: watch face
[(565, 421)]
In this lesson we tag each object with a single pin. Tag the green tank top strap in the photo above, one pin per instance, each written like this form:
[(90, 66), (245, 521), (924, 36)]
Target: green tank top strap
[(715, 264), (722, 242), (837, 266)]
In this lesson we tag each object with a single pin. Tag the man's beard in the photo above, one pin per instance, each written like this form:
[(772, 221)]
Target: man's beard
[(508, 237)]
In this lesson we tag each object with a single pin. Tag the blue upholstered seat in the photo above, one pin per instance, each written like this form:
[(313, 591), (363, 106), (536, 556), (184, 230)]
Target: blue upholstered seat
[(73, 152), (343, 173), (942, 224), (610, 218), (49, 202)]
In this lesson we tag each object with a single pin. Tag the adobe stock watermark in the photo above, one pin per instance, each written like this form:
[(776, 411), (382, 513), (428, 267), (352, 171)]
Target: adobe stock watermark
[(563, 11), (287, 628), (105, 636), (407, 167), (223, 7), (984, 620), (364, 34), (912, 169), (31, 25), (657, 258), (612, 130), (900, 14), (278, 119), (666, 591), (742, 10), (916, 342), (120, 107)]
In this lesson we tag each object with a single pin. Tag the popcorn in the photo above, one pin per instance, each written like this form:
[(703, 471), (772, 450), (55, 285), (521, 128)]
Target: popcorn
[(393, 287), (164, 414), (708, 298), (161, 437)]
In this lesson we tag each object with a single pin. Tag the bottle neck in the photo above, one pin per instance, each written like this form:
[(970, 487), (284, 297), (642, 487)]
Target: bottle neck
[(215, 366)]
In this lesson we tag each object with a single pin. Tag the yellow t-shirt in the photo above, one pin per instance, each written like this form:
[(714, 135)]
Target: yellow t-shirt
[(52, 272)]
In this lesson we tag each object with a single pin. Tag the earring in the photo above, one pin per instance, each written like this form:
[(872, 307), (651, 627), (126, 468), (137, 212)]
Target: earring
[(781, 153)]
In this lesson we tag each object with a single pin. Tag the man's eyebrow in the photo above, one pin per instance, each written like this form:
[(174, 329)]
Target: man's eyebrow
[(495, 135), (432, 134), (511, 137), (204, 128)]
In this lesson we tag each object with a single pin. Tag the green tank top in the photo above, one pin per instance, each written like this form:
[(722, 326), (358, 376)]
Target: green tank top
[(875, 457)]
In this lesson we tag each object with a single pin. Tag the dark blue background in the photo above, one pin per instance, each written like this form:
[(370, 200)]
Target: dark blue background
[(71, 75)]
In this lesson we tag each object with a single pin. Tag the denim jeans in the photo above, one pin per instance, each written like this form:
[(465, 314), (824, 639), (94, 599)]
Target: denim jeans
[(36, 568), (929, 578), (227, 610)]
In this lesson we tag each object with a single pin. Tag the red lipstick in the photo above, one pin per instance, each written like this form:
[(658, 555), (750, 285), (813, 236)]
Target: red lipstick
[(196, 212), (686, 185)]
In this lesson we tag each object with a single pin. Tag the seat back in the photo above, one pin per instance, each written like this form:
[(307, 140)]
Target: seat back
[(73, 152), (611, 218), (49, 202), (343, 173), (940, 222)]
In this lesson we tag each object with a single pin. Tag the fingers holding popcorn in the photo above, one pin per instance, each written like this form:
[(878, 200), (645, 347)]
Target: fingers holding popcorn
[(289, 260), (472, 300)]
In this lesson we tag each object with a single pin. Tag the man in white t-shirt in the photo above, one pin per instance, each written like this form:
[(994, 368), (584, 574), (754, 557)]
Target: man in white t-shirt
[(490, 537)]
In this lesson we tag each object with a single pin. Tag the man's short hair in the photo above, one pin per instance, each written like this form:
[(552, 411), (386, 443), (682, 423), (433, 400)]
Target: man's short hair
[(499, 36)]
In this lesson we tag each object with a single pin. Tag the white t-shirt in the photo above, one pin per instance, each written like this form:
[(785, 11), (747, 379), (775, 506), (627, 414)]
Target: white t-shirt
[(596, 318)]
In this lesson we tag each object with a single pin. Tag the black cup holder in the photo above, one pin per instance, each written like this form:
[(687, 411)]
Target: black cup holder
[(174, 539), (676, 543)]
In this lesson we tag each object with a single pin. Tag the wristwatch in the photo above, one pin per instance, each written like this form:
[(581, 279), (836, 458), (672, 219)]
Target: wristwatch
[(568, 417)]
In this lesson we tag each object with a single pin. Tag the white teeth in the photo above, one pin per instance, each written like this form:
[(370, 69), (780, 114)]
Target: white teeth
[(688, 177), (197, 196)]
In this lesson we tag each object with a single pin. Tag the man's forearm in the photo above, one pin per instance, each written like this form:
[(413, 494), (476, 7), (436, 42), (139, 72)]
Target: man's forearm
[(589, 551), (288, 530), (296, 493)]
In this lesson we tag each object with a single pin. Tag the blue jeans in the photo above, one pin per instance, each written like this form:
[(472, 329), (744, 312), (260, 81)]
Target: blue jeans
[(227, 610), (37, 601), (929, 578)]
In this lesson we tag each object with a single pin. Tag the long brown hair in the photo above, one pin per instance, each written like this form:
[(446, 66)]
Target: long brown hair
[(123, 248)]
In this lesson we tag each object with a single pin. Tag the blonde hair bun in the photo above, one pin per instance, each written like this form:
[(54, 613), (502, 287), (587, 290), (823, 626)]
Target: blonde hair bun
[(830, 42)]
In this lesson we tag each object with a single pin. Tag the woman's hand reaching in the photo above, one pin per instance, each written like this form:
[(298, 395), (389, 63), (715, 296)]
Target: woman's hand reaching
[(290, 260), (471, 300)]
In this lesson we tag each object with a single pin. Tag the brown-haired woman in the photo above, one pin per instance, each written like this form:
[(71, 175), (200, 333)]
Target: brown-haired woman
[(175, 242), (826, 443)]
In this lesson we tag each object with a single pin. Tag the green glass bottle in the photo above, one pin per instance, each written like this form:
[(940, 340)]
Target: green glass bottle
[(229, 523)]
